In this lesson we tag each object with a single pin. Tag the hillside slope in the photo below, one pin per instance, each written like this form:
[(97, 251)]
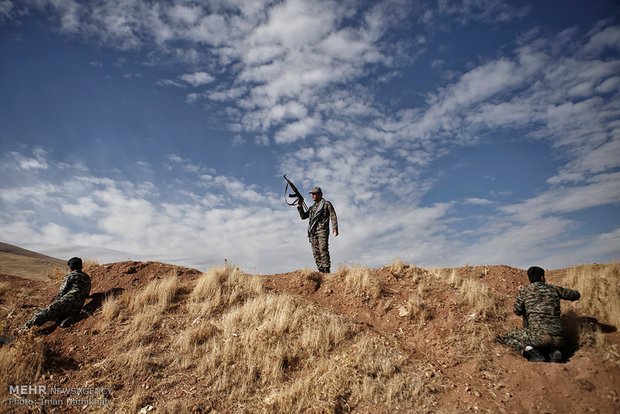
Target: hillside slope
[(394, 339), (26, 263)]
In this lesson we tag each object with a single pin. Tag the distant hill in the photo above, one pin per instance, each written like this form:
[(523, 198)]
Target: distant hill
[(16, 261)]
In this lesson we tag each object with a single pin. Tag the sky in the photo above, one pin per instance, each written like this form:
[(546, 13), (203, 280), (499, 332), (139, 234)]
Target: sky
[(445, 133)]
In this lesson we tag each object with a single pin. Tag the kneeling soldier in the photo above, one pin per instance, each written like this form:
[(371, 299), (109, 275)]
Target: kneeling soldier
[(539, 303)]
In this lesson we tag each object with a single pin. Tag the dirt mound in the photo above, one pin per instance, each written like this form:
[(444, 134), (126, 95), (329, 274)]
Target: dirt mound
[(441, 324), (486, 377)]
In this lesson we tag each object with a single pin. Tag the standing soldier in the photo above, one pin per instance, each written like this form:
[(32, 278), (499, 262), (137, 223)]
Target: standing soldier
[(539, 304), (319, 215), (68, 301)]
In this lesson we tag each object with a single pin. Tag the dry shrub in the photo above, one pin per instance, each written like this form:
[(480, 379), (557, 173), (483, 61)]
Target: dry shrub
[(21, 362), (222, 286), (360, 282), (599, 286)]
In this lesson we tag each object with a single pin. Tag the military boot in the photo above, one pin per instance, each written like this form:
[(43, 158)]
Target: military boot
[(533, 355)]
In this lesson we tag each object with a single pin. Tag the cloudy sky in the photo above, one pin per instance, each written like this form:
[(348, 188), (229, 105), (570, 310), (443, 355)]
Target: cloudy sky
[(444, 132)]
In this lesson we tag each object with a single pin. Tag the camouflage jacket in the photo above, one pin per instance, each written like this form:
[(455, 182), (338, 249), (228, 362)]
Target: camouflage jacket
[(540, 303), (319, 215), (75, 287)]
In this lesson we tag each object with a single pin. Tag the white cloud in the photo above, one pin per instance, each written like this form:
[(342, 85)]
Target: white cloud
[(6, 10), (82, 207), (603, 190), (36, 162), (297, 130), (609, 37), (489, 11), (197, 78), (184, 15), (478, 201)]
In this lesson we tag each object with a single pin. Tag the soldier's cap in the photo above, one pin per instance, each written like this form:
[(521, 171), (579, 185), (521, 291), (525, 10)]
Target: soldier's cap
[(316, 190)]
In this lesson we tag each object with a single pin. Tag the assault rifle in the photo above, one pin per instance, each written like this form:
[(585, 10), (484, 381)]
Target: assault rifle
[(299, 199)]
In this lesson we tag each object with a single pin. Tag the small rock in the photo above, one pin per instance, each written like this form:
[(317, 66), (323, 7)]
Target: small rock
[(146, 409)]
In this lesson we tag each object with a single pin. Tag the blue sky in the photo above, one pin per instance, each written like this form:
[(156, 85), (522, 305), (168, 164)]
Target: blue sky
[(444, 132)]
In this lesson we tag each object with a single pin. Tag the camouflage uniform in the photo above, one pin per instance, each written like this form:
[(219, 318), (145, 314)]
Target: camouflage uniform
[(68, 301), (539, 303), (319, 215)]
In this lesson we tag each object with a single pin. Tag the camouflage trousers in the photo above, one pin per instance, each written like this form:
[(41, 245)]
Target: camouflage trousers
[(320, 249), (520, 338), (56, 311)]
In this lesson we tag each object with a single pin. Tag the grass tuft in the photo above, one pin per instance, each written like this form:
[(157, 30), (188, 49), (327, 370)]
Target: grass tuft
[(416, 309), (359, 281), (21, 362), (159, 294), (222, 286)]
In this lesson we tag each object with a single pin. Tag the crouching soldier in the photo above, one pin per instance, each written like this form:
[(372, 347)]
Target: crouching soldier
[(69, 300), (542, 336)]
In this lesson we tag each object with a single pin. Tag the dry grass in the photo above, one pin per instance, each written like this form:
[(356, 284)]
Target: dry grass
[(4, 288), (599, 286), (266, 352), (399, 269), (110, 308), (359, 281), (483, 311), (481, 300), (416, 309), (223, 286), (21, 362), (157, 295)]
